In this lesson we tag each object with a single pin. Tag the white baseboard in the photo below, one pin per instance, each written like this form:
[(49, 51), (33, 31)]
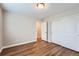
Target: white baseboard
[(77, 50), (17, 44), (1, 50)]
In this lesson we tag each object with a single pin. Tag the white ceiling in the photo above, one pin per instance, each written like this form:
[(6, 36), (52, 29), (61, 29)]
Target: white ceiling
[(29, 9)]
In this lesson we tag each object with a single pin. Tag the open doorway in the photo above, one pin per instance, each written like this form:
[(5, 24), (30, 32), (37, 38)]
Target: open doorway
[(38, 30), (42, 31)]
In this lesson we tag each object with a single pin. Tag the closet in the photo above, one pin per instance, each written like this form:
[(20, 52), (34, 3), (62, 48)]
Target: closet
[(65, 31)]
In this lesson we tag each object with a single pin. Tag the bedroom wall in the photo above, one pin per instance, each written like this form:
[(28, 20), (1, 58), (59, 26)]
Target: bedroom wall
[(18, 29), (65, 30)]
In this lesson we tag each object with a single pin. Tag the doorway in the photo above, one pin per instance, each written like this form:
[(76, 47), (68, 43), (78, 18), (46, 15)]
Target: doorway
[(38, 30), (42, 31)]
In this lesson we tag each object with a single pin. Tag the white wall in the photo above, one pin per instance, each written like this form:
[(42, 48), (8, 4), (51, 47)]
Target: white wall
[(0, 29), (18, 29), (65, 31)]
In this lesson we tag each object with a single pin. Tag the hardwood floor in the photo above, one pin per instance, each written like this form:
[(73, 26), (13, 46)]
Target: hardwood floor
[(41, 48)]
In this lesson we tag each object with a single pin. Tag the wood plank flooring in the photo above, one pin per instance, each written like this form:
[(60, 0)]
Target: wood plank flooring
[(41, 48)]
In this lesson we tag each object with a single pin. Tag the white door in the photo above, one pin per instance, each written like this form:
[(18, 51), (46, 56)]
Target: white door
[(77, 33), (77, 29), (63, 32), (44, 31), (57, 31)]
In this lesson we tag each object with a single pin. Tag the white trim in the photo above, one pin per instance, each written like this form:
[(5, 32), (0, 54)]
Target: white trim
[(16, 44), (1, 50), (65, 46)]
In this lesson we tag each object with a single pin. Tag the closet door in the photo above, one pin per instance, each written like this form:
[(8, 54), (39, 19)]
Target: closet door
[(77, 29), (44, 31), (57, 31), (69, 32), (63, 32), (77, 34)]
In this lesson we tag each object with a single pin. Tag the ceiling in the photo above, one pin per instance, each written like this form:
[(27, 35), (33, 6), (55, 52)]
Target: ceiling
[(29, 9)]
